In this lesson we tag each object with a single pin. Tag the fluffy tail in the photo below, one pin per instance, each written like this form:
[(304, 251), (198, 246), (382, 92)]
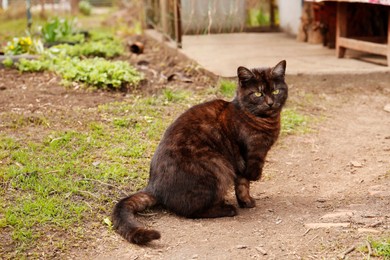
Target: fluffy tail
[(125, 223)]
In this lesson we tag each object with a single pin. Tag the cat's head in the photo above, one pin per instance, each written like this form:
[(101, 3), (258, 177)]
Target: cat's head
[(262, 91)]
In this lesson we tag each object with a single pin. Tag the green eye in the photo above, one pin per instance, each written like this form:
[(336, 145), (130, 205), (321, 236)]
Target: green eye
[(275, 92), (258, 94)]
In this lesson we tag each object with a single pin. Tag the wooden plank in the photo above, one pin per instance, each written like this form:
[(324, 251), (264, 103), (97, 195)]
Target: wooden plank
[(178, 29), (369, 47), (164, 19), (388, 38), (341, 30)]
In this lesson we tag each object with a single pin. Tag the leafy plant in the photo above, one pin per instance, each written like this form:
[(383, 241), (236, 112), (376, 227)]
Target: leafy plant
[(57, 29), (7, 62), (85, 7), (20, 45), (97, 72), (105, 49), (381, 248), (25, 65)]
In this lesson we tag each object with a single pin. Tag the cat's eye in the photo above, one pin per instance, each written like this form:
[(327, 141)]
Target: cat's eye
[(258, 94), (275, 92)]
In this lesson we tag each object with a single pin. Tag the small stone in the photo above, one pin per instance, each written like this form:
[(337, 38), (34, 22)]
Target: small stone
[(387, 108), (96, 164), (241, 246), (356, 164)]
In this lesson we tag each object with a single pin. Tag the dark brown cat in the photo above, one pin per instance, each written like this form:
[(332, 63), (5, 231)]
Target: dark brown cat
[(208, 149)]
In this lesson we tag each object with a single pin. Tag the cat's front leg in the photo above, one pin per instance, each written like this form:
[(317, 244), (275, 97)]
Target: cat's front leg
[(244, 199)]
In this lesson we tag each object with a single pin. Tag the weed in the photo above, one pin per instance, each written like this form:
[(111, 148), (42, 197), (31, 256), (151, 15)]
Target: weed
[(175, 96), (227, 88), (294, 122)]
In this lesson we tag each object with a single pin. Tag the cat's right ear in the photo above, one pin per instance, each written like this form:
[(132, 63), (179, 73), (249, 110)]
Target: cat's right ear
[(244, 74)]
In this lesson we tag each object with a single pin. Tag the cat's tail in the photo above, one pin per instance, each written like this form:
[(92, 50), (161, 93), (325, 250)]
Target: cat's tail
[(125, 223)]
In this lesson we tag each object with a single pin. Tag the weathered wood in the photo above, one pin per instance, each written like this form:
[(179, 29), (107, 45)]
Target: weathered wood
[(388, 37), (341, 30), (164, 19), (365, 46)]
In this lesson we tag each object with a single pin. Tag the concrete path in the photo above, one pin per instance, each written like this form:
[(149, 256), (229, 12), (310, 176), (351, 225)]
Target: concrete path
[(223, 53)]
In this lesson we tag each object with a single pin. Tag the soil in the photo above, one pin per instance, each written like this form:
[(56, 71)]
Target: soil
[(322, 193)]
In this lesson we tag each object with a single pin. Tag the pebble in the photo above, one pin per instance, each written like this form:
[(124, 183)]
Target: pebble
[(387, 108), (356, 164)]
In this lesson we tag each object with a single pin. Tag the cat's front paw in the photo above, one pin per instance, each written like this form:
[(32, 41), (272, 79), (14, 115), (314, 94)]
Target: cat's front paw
[(248, 203)]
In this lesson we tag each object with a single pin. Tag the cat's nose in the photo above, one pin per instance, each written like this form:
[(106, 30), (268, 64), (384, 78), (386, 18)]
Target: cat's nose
[(270, 102)]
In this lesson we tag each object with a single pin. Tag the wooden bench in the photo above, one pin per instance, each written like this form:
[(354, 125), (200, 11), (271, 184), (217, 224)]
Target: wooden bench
[(373, 45)]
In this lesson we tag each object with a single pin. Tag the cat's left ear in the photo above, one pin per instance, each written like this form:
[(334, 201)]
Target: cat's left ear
[(244, 74), (279, 70)]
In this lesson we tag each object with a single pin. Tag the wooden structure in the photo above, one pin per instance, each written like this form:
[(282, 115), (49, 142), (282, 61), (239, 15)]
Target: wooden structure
[(375, 45), (353, 19)]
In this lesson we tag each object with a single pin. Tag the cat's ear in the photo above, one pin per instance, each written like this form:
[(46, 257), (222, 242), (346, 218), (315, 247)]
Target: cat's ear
[(244, 74), (279, 70)]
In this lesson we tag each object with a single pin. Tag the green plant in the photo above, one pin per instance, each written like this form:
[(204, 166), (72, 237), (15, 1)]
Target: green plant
[(175, 95), (227, 88), (25, 65), (57, 29), (20, 45), (293, 122), (7, 62), (381, 248), (98, 72), (85, 7), (104, 48)]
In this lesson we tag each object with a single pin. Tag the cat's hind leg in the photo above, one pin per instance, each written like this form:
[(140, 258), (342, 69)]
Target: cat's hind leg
[(218, 210), (244, 199)]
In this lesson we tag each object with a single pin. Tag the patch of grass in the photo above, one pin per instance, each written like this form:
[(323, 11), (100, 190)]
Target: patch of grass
[(227, 88), (175, 95), (69, 180), (294, 122), (379, 247)]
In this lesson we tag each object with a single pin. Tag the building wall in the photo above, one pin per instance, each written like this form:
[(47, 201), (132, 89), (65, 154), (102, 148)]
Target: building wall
[(290, 15)]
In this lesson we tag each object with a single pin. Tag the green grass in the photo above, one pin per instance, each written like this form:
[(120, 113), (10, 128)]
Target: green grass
[(379, 247), (66, 178), (227, 88), (294, 122)]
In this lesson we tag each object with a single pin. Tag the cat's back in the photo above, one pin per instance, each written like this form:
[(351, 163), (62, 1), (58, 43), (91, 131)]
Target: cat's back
[(209, 114), (201, 127)]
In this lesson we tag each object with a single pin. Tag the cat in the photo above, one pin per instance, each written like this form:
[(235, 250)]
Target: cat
[(208, 149)]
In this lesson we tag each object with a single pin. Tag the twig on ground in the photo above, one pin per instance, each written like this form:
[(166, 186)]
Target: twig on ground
[(375, 224), (369, 248), (307, 231), (104, 183), (261, 250), (346, 252), (89, 193)]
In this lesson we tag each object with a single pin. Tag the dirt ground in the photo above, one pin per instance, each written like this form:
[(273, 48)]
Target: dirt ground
[(323, 192)]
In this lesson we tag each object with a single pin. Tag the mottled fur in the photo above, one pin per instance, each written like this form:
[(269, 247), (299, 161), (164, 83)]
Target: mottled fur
[(207, 150)]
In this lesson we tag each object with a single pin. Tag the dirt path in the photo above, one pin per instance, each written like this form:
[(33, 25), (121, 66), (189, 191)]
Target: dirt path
[(337, 176)]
